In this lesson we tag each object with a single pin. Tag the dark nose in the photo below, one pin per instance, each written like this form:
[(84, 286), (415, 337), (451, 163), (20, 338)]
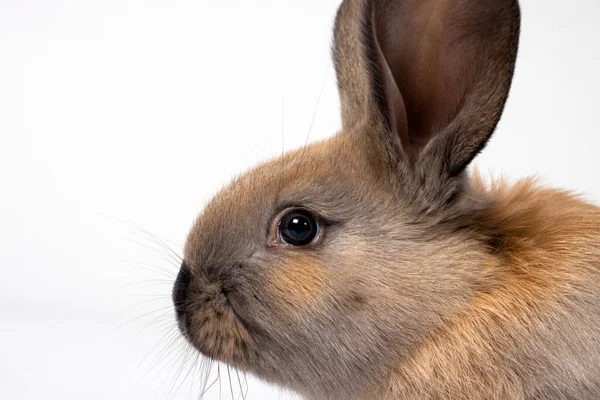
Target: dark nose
[(180, 289)]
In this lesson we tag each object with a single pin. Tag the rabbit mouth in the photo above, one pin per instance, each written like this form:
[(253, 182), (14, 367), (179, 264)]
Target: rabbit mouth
[(210, 323)]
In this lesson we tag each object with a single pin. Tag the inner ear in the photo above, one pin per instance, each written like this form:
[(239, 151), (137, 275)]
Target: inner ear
[(421, 45), (425, 80), (447, 67), (386, 91)]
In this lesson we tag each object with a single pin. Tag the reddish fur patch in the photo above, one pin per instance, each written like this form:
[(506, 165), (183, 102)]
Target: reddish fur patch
[(298, 281)]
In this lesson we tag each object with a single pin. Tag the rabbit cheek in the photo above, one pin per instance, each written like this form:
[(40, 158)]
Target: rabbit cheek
[(298, 282)]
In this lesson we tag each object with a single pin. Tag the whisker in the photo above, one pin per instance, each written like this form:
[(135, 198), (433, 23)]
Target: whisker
[(149, 283), (139, 228), (159, 323), (168, 254), (246, 384), (240, 384), (219, 376), (282, 139), (169, 347), (208, 366), (183, 355), (154, 299), (150, 267), (162, 242), (170, 332), (163, 309), (313, 117), (230, 384), (196, 370), (312, 122), (208, 388), (158, 253), (163, 297), (189, 354), (169, 384), (172, 341), (282, 125), (167, 350), (165, 242)]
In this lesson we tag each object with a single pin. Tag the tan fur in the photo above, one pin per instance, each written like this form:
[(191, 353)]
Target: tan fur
[(426, 283), (300, 280), (549, 245)]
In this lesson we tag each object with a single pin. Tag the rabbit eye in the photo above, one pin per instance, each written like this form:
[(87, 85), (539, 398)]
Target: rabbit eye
[(298, 228)]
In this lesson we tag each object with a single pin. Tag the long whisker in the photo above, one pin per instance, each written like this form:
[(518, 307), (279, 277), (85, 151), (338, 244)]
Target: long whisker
[(160, 341), (153, 299), (282, 140), (162, 249), (163, 297), (157, 239), (159, 323), (174, 338), (240, 383), (161, 242), (219, 376), (182, 354), (189, 354), (162, 309), (158, 253), (282, 125), (169, 347), (138, 227), (169, 384), (150, 267), (194, 370), (230, 384), (208, 388), (207, 372), (148, 283), (312, 122)]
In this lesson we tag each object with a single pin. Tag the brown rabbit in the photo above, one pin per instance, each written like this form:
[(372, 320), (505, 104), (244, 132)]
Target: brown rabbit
[(370, 265)]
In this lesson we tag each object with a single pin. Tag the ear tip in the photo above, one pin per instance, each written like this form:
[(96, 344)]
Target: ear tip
[(515, 10)]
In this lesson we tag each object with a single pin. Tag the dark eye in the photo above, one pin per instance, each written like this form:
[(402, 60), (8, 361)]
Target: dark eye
[(298, 228)]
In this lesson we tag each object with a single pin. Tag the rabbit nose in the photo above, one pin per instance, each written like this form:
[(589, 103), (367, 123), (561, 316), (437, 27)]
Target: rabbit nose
[(180, 289)]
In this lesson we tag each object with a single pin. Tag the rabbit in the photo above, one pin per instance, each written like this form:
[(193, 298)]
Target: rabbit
[(373, 264)]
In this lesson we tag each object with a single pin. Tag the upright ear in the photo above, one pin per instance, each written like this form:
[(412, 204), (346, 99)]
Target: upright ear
[(424, 82)]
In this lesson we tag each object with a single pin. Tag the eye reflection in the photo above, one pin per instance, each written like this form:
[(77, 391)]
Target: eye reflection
[(298, 228)]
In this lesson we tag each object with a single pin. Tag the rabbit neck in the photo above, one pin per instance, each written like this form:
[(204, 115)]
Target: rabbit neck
[(524, 337)]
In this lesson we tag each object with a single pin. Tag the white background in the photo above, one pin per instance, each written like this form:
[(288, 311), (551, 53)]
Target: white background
[(115, 113)]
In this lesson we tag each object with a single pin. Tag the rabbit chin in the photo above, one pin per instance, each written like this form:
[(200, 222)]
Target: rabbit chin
[(212, 326)]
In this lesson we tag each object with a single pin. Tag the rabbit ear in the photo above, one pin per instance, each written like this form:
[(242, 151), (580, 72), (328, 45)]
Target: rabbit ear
[(425, 81)]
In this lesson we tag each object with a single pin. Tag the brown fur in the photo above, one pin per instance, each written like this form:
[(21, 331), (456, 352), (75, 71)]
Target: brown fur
[(510, 339), (425, 283)]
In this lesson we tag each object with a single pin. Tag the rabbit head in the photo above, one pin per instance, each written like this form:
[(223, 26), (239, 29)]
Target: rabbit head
[(319, 269)]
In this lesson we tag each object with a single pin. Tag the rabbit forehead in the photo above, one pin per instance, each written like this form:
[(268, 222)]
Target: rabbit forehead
[(329, 176)]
